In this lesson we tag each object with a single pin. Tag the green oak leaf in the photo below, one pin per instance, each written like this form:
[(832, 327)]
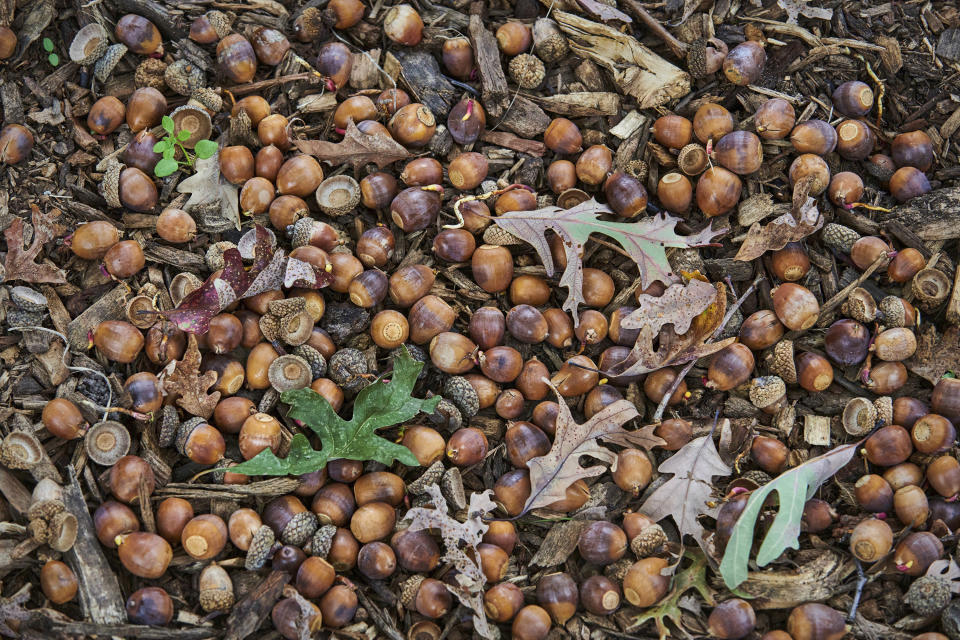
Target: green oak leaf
[(167, 123), (382, 404), (205, 149), (165, 167)]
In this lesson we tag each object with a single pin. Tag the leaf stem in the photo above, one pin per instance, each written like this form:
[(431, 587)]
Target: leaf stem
[(658, 415)]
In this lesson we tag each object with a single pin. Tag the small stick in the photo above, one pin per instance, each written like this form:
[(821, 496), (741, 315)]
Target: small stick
[(253, 87), (658, 415), (844, 293), (861, 583), (678, 48)]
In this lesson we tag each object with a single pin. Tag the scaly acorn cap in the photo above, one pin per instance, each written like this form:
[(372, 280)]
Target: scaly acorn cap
[(108, 61), (766, 390), (884, 407), (296, 327), (893, 312), (220, 22), (149, 73), (286, 306), (184, 77), (431, 476), (446, 415), (169, 423), (527, 71), (45, 509), (300, 528), (928, 595), (860, 306), (839, 237), (318, 364), (269, 327), (214, 255), (451, 486), (697, 58), (782, 362), (89, 44), (209, 98), (500, 236), (184, 431), (648, 541), (261, 548), (462, 394), (28, 299), (319, 544), (409, 589)]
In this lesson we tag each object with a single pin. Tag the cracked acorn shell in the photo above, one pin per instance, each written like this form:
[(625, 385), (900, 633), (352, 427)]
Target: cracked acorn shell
[(89, 44), (108, 61), (184, 77)]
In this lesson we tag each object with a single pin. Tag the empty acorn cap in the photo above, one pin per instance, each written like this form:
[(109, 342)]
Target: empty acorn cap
[(110, 186), (28, 299), (135, 308), (21, 450), (107, 442), (182, 285), (209, 98), (289, 372), (859, 416), (269, 327), (571, 198), (430, 476), (105, 65), (318, 364), (89, 44), (338, 195), (860, 306), (194, 119), (62, 531), (214, 255), (184, 77), (295, 328), (169, 423)]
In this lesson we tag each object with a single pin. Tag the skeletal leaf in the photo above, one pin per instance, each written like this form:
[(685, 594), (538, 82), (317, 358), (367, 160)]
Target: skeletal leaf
[(687, 495), (794, 488), (551, 474), (645, 241)]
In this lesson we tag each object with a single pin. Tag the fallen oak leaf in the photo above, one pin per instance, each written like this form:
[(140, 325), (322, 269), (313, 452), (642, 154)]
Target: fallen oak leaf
[(659, 344), (645, 241), (804, 220), (460, 542), (687, 495), (19, 263), (357, 148), (794, 488), (935, 354), (693, 576), (183, 379), (551, 474)]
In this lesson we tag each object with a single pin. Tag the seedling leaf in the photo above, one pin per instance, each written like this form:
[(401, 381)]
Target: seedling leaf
[(165, 167), (167, 123), (205, 149), (183, 135), (54, 59), (47, 45)]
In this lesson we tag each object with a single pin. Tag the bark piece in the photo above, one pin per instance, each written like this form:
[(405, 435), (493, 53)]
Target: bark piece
[(250, 612), (816, 430), (637, 70), (933, 216), (99, 590), (525, 119), (487, 54), (814, 581), (581, 104), (559, 544), (421, 72), (108, 307), (510, 141)]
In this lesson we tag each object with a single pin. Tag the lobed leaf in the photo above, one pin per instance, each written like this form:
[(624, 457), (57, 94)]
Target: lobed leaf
[(794, 488)]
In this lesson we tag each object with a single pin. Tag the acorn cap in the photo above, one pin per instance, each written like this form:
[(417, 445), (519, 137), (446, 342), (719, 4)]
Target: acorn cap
[(319, 544), (930, 288), (182, 285), (758, 477), (106, 442), (451, 486), (110, 186), (261, 548), (184, 77), (45, 509), (209, 98), (884, 407), (648, 541), (286, 306), (39, 530), (859, 416), (767, 390), (860, 306), (150, 73), (309, 24), (194, 119), (548, 41), (338, 195), (893, 312), (692, 159), (527, 70), (289, 372), (928, 595), (446, 415), (618, 569), (241, 130), (300, 528), (21, 450), (184, 431), (409, 589), (62, 531), (431, 476), (295, 328), (23, 318), (697, 58), (220, 22), (108, 61), (302, 230), (214, 255), (318, 364), (28, 299), (269, 327), (499, 236), (839, 237), (89, 44), (782, 362), (462, 394)]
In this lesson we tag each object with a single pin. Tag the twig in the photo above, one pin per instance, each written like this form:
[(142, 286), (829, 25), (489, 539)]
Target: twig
[(658, 415), (844, 293), (861, 583), (253, 87), (678, 48)]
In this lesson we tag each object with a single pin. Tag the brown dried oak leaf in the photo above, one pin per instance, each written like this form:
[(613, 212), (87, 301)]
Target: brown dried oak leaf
[(679, 322), (645, 241), (19, 264), (553, 473), (936, 353), (357, 148), (790, 227), (686, 496), (183, 378)]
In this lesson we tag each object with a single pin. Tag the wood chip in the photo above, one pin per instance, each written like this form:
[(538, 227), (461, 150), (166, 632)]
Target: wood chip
[(630, 123), (559, 543), (816, 430)]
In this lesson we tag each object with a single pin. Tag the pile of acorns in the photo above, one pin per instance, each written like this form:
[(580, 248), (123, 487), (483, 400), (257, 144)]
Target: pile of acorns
[(487, 362)]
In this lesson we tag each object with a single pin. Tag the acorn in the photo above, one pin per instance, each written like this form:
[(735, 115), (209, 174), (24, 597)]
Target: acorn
[(463, 395), (767, 393), (549, 43), (215, 589), (705, 57), (261, 548), (527, 71), (648, 541)]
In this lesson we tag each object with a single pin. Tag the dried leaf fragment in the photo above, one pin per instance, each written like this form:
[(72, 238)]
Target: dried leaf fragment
[(935, 354), (780, 231), (357, 148), (19, 263), (183, 379)]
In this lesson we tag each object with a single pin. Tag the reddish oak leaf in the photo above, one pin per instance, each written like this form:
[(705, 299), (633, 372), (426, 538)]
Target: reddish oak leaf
[(183, 379), (357, 148), (553, 473), (20, 263)]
